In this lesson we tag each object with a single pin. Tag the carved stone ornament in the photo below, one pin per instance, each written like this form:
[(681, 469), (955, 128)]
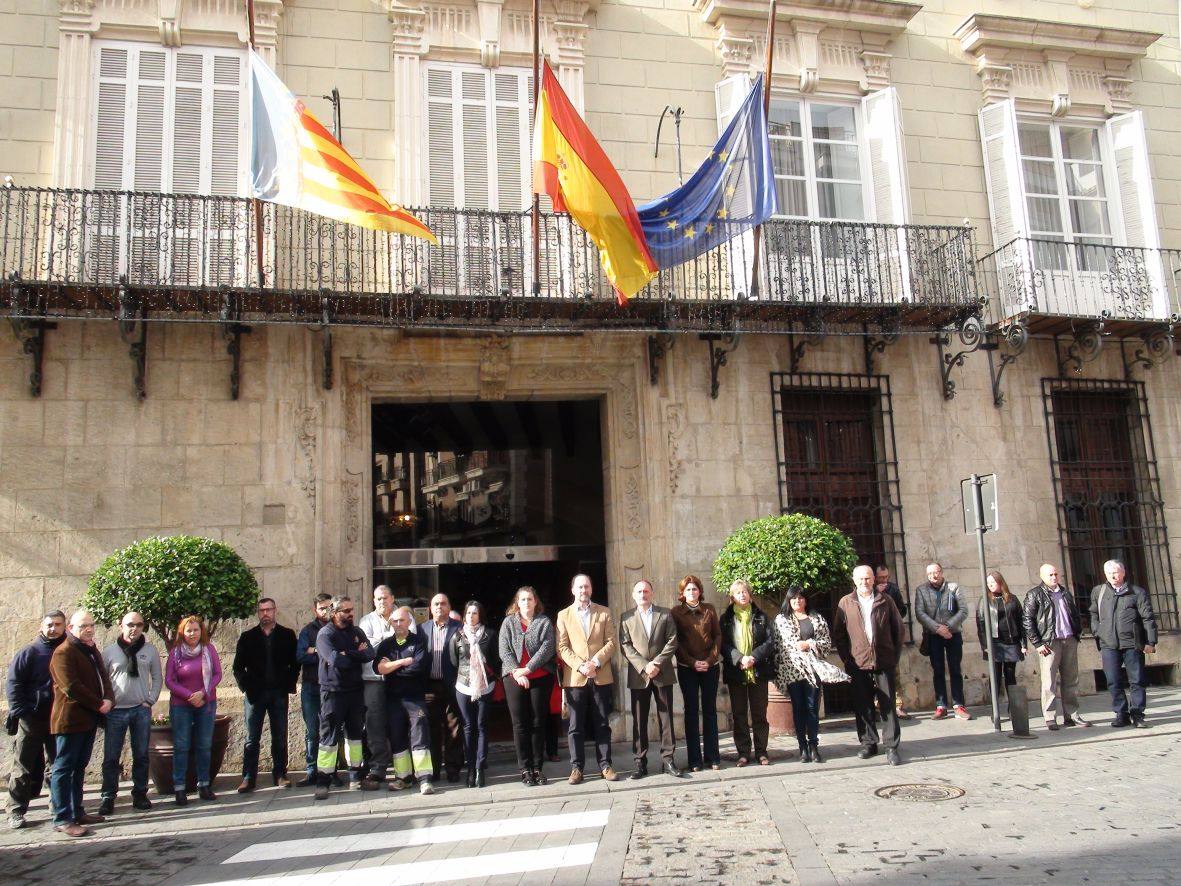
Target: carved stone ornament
[(495, 362)]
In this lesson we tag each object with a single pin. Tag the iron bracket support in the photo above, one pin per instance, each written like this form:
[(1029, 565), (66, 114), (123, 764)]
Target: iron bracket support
[(718, 356), (972, 337), (1015, 337)]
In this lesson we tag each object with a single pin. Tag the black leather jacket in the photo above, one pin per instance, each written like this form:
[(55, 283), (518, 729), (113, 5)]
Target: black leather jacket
[(1039, 616)]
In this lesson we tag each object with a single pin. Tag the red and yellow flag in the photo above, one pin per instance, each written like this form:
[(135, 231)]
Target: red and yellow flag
[(570, 166), (296, 161)]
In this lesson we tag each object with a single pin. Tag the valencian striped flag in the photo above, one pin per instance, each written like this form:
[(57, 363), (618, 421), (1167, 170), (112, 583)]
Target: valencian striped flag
[(570, 166), (296, 161)]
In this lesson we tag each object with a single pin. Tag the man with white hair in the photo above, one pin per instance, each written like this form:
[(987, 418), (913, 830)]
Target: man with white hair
[(403, 662), (376, 626), (1124, 626), (1052, 625), (82, 695)]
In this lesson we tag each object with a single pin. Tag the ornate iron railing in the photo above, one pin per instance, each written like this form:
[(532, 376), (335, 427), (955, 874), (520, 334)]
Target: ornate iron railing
[(1040, 276), (102, 253)]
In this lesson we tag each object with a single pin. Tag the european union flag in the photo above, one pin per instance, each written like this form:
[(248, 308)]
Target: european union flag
[(732, 191)]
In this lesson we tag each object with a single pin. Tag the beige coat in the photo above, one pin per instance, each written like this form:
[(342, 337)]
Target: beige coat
[(574, 647), (640, 650)]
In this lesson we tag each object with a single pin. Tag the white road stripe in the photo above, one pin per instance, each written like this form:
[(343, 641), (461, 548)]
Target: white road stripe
[(447, 833), (476, 867)]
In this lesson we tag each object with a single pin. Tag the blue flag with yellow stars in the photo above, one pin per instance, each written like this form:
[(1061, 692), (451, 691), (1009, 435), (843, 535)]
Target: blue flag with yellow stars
[(731, 192)]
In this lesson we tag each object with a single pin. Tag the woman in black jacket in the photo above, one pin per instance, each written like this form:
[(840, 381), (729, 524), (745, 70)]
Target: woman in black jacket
[(473, 652), (748, 664), (1008, 635)]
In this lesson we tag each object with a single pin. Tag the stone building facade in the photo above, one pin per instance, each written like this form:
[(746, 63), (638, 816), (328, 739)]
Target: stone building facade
[(285, 470)]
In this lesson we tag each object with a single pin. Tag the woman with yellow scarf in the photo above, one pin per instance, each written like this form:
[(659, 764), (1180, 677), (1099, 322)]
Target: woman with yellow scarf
[(748, 663)]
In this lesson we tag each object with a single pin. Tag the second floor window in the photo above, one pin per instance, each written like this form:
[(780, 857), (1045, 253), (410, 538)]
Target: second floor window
[(816, 151)]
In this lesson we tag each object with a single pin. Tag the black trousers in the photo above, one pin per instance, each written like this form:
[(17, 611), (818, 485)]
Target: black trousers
[(272, 704), (529, 710), (641, 706), (590, 711), (748, 714), (446, 725), (32, 749), (868, 687)]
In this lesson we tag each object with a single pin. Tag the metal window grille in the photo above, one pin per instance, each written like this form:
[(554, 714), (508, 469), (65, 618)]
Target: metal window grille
[(1107, 487), (837, 460)]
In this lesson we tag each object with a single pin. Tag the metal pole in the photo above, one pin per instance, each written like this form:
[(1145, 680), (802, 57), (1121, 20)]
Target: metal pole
[(978, 507), (758, 236), (334, 98), (536, 106)]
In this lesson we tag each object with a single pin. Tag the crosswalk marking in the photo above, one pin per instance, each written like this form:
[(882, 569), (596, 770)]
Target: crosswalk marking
[(423, 836), (441, 870)]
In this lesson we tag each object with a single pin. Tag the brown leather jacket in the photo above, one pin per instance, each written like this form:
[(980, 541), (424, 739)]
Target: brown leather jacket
[(851, 641), (80, 684)]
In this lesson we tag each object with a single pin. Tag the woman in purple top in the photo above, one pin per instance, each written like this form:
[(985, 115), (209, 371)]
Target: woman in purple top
[(192, 675)]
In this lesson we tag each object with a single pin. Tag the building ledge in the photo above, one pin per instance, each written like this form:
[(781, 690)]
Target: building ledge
[(873, 16)]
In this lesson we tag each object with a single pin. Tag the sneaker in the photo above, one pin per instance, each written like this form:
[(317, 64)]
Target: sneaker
[(426, 788), (940, 713), (1139, 722), (961, 713), (398, 784), (902, 713), (16, 820)]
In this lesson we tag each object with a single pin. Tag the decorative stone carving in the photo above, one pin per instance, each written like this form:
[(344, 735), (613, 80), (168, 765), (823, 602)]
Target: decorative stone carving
[(633, 505), (170, 11), (352, 506), (1119, 94), (495, 361), (307, 423), (996, 81), (408, 24), (736, 52), (877, 70), (488, 12), (675, 420)]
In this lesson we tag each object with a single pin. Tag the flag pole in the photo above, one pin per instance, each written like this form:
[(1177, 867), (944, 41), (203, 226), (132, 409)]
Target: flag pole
[(536, 105), (257, 204), (754, 280)]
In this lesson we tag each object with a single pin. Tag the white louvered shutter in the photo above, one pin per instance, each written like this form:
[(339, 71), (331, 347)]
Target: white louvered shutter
[(442, 163), (111, 115), (1002, 172), (147, 173), (887, 161), (1137, 205), (728, 97)]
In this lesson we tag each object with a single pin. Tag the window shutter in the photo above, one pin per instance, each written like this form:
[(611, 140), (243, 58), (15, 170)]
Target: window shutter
[(1002, 172), (226, 150), (1137, 206), (187, 131), (110, 151), (887, 161), (728, 97), (474, 168), (512, 132), (148, 174), (440, 138)]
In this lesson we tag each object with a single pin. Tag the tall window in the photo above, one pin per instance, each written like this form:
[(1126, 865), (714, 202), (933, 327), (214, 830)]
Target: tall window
[(816, 152), (1065, 194)]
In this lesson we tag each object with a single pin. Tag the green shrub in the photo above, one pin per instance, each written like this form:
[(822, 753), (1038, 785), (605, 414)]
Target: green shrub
[(165, 579), (774, 553)]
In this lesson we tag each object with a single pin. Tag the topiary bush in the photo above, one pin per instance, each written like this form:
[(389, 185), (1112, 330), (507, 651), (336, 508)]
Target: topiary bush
[(165, 579), (773, 553)]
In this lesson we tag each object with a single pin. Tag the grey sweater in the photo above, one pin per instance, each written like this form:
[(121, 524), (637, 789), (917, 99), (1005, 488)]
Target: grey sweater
[(131, 691)]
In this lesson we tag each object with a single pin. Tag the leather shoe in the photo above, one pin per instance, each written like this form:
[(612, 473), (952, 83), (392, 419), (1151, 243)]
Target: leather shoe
[(107, 806), (892, 757), (321, 792), (638, 773), (370, 784), (282, 781), (609, 774), (87, 818), (308, 781), (869, 751), (1140, 722), (206, 793), (140, 801), (575, 776), (816, 758), (72, 830), (1120, 722), (805, 754), (528, 780), (670, 768), (246, 786), (1086, 724), (1052, 725), (539, 778), (182, 799)]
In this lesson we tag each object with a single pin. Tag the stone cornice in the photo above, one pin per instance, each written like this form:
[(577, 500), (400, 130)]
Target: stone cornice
[(168, 21), (874, 16), (980, 34)]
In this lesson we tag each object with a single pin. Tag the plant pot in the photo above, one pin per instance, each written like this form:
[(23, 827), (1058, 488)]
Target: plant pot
[(779, 712), (160, 756)]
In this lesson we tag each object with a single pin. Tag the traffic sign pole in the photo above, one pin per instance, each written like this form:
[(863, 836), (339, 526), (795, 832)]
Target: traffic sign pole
[(981, 528)]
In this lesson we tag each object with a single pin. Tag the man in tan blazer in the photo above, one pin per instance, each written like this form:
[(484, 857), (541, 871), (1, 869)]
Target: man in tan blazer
[(586, 645), (648, 638)]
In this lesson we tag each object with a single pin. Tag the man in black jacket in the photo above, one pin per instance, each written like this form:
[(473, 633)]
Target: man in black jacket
[(266, 671), (883, 585), (342, 648), (1052, 625), (1125, 628), (402, 660), (30, 698), (309, 694)]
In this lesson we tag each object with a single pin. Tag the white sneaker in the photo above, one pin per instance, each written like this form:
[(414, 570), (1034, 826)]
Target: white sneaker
[(426, 788)]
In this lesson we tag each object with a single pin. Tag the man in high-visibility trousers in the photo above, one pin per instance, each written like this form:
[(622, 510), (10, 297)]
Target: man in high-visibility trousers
[(342, 649), (402, 661)]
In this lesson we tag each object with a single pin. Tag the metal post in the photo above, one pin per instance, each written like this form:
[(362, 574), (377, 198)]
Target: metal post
[(978, 506)]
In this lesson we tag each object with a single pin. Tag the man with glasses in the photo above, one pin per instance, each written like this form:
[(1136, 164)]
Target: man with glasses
[(134, 668), (30, 697), (266, 671), (376, 626), (1052, 624), (342, 648)]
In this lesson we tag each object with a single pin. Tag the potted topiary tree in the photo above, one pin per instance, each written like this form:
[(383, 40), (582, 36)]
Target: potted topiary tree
[(166, 579), (774, 553)]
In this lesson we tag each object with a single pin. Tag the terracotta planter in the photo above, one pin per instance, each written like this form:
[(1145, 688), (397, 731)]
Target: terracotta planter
[(779, 713), (160, 756)]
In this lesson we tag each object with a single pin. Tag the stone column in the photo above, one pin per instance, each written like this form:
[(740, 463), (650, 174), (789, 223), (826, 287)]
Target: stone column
[(74, 84), (409, 47)]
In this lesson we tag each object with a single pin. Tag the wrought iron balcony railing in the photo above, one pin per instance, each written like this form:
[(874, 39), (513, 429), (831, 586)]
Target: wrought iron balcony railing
[(107, 253), (1029, 276)]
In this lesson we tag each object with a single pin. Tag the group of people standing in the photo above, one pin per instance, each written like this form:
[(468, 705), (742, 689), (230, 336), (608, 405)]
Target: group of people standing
[(388, 693)]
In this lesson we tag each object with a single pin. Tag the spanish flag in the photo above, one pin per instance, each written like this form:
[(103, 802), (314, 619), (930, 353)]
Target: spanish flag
[(570, 166), (296, 161)]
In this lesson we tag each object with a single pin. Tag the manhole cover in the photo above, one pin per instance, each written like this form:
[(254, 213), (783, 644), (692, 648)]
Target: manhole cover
[(920, 793)]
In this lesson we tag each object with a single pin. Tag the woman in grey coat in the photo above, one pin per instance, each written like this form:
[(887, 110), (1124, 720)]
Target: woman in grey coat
[(528, 647)]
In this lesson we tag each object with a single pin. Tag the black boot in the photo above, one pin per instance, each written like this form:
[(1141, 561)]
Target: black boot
[(816, 758), (527, 778), (806, 754), (480, 778), (471, 778)]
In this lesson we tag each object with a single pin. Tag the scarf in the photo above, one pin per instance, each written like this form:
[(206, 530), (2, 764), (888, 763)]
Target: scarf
[(477, 673), (131, 650), (182, 651), (744, 636), (96, 659)]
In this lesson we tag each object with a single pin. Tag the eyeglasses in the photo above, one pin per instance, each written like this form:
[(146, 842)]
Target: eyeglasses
[(85, 624), (345, 611), (133, 624)]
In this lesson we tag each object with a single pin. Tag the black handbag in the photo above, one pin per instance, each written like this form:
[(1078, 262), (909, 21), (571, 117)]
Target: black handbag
[(925, 644)]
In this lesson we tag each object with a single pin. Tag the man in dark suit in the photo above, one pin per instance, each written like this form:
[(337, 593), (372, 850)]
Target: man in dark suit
[(442, 709), (266, 670), (648, 638), (1124, 626)]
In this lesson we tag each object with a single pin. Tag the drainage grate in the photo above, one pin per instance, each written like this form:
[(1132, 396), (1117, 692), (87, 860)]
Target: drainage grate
[(920, 793)]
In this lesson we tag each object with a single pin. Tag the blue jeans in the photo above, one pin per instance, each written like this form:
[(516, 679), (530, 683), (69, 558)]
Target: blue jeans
[(951, 651), (309, 704), (120, 722), (69, 771), (192, 728), (805, 710), (475, 728), (1133, 661), (272, 704), (700, 686)]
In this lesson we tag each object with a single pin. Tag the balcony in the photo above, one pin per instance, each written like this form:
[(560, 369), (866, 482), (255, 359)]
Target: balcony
[(108, 254), (1048, 285)]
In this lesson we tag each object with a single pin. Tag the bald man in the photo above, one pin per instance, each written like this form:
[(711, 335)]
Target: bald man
[(1052, 626), (446, 726)]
